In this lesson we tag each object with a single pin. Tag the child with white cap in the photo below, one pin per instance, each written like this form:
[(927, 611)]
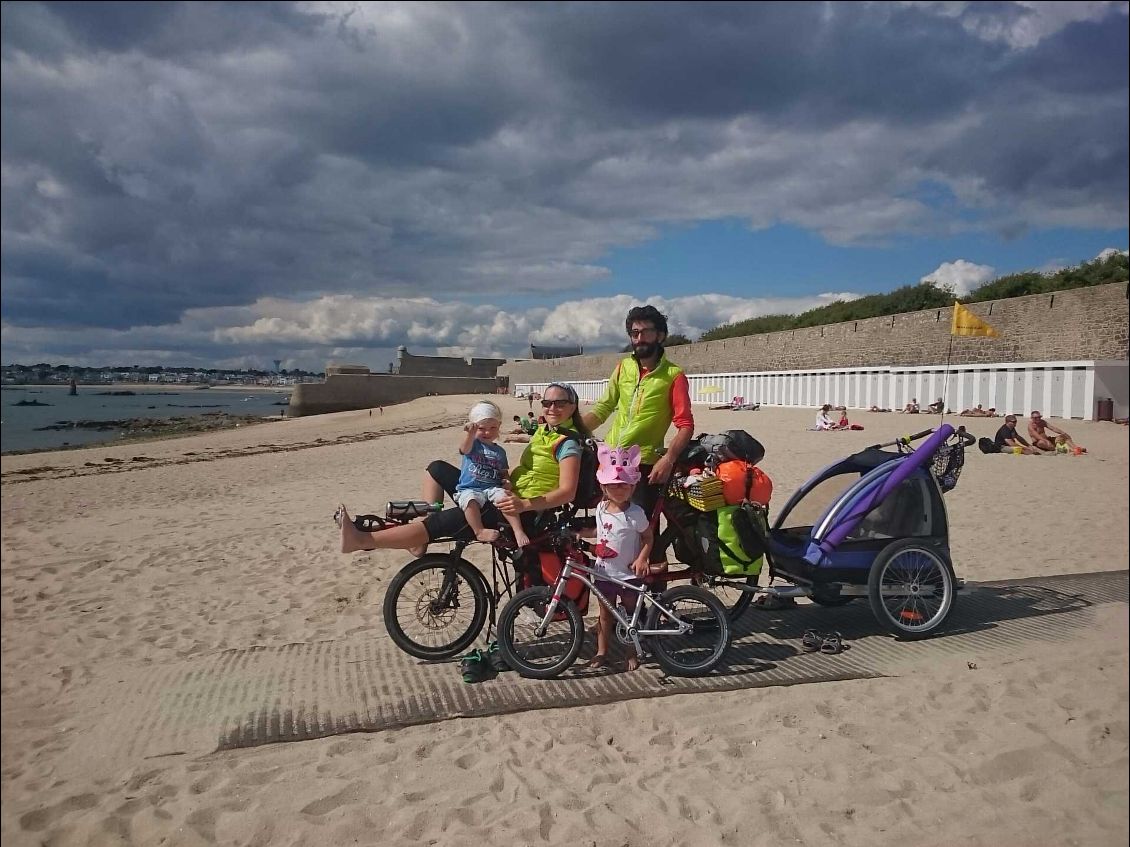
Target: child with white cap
[(484, 468)]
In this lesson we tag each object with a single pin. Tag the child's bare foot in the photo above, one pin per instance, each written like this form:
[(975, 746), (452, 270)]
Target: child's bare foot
[(597, 662), (352, 539), (632, 663), (487, 535), (521, 539)]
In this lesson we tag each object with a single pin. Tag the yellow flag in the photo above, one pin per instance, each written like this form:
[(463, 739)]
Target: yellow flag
[(967, 323)]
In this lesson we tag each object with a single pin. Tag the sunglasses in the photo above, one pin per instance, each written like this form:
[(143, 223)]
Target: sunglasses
[(555, 404), (642, 333), (1010, 420)]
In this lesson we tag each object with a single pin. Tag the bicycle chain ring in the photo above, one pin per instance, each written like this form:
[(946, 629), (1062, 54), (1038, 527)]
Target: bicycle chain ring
[(622, 634)]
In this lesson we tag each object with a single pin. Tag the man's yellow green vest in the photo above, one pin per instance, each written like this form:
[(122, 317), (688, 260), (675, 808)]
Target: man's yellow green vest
[(643, 407), (538, 471)]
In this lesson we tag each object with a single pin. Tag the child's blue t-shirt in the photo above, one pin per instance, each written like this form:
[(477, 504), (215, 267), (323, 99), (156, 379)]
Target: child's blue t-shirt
[(484, 466)]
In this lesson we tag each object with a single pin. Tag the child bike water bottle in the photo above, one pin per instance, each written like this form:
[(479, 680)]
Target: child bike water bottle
[(405, 510)]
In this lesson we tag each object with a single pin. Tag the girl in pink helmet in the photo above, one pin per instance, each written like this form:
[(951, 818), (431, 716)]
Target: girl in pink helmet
[(623, 538)]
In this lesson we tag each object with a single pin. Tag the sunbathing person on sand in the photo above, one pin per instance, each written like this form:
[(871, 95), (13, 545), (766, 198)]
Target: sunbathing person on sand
[(978, 412), (824, 419), (1008, 440), (1058, 442), (545, 478)]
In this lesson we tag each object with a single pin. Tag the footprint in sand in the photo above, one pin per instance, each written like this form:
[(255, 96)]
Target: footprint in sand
[(41, 818), (352, 793)]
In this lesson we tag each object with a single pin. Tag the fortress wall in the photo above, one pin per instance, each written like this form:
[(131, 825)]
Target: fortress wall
[(1079, 324), (347, 392), (446, 366)]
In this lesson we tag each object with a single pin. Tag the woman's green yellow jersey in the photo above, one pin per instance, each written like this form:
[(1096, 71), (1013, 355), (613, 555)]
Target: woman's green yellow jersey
[(538, 471)]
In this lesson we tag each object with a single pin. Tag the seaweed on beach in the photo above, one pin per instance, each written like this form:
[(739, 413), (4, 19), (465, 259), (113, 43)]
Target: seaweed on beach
[(140, 427)]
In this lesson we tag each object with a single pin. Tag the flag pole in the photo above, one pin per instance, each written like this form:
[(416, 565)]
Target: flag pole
[(964, 323), (946, 382)]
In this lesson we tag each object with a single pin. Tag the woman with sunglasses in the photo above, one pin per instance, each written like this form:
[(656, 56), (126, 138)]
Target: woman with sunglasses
[(545, 477)]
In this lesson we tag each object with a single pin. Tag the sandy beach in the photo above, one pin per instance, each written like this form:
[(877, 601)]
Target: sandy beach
[(125, 560)]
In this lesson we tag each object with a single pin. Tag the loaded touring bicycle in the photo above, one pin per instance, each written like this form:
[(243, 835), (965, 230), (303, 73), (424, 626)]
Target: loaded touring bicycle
[(872, 525)]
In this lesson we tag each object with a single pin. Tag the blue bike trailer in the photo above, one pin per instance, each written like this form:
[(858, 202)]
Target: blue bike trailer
[(833, 528)]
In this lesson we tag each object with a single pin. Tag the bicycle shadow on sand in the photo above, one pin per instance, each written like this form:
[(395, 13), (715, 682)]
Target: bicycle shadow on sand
[(764, 638)]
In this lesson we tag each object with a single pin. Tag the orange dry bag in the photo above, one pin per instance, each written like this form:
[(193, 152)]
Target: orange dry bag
[(742, 481)]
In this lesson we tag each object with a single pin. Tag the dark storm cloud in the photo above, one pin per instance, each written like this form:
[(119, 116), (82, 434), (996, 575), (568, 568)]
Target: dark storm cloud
[(798, 62), (166, 29), (160, 157)]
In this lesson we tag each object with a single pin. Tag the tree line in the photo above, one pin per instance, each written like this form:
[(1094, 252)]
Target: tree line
[(914, 298)]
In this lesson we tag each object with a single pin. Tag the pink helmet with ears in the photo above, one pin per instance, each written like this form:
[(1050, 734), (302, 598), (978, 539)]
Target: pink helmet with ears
[(618, 464)]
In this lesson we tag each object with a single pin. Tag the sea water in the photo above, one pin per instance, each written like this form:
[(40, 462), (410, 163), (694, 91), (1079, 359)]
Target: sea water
[(18, 424)]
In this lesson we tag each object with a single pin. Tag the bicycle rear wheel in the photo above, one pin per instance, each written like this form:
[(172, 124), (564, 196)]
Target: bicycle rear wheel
[(733, 599), (544, 655), (435, 607), (697, 651)]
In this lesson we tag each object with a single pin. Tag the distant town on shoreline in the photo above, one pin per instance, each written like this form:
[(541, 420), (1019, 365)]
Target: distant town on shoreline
[(46, 374)]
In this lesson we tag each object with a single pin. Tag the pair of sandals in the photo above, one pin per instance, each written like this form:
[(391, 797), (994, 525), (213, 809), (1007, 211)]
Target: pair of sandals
[(822, 642), (481, 665)]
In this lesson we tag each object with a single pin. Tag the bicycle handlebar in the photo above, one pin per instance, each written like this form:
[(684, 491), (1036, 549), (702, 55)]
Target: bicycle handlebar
[(966, 439), (917, 435), (905, 439)]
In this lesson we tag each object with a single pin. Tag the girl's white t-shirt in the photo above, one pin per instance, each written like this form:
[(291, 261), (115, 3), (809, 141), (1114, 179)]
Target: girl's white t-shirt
[(618, 541)]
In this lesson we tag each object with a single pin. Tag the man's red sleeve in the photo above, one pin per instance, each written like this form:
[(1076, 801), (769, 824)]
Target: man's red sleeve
[(682, 416)]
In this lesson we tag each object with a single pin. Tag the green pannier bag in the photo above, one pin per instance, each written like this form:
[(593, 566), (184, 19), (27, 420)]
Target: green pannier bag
[(733, 540)]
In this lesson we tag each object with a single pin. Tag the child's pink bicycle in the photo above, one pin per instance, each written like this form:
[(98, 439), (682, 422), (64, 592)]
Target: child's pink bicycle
[(541, 630)]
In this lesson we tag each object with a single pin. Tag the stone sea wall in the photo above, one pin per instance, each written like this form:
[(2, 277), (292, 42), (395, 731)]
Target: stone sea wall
[(1079, 324), (347, 392)]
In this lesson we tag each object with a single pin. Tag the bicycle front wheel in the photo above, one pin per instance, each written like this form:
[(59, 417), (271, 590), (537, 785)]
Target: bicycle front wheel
[(435, 607), (537, 655), (697, 651)]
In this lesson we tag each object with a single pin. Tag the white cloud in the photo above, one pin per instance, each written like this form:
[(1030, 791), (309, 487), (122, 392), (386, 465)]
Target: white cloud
[(248, 177), (463, 329), (959, 276), (1107, 253), (368, 329), (1023, 24)]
